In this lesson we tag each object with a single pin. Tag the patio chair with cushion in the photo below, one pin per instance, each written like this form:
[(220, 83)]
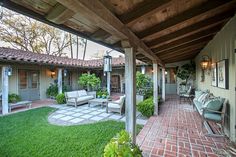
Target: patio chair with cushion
[(116, 106), (76, 98), (187, 95)]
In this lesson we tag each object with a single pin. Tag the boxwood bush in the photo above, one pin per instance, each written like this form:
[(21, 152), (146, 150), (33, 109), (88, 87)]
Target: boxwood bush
[(146, 107), (121, 145), (60, 98)]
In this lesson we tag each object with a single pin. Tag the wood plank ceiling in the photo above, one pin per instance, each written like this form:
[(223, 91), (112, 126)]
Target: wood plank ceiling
[(164, 30)]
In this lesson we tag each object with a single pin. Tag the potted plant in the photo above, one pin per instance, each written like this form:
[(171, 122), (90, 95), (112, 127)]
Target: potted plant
[(89, 81), (13, 98), (143, 86), (186, 72)]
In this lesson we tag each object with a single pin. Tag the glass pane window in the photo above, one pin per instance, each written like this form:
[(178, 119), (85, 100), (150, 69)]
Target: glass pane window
[(23, 79), (34, 81)]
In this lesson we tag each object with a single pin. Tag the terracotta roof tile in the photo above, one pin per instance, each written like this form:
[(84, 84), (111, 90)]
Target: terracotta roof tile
[(13, 55)]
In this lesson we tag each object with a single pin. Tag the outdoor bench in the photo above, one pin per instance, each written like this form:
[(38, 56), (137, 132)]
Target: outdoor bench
[(20, 103), (210, 109)]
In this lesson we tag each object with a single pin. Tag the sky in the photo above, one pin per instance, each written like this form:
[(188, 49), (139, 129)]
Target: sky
[(93, 49)]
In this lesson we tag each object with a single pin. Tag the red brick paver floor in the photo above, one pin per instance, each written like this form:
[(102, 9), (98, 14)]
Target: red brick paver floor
[(176, 131)]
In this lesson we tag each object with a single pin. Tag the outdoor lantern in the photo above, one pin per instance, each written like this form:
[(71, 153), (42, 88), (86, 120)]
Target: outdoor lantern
[(107, 62), (8, 71), (53, 73), (205, 63), (65, 72)]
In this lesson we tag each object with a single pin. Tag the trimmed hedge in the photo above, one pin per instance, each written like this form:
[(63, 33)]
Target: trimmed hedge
[(60, 98), (146, 107)]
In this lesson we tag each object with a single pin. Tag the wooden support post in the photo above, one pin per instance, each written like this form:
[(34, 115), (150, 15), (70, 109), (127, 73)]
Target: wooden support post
[(130, 92), (163, 84), (59, 82), (109, 83), (4, 90), (155, 87)]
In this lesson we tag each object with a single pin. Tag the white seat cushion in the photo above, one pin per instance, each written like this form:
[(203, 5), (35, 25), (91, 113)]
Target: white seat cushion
[(82, 93), (84, 98), (113, 105)]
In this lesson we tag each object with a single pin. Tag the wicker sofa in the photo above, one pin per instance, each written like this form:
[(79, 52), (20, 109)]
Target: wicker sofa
[(76, 98)]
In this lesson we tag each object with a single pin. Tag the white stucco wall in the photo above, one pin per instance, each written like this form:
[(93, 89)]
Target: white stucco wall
[(222, 47)]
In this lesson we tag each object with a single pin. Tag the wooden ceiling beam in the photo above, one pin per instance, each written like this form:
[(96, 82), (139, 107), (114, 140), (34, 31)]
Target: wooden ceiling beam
[(100, 34), (204, 39), (180, 54), (109, 22), (186, 39), (142, 11), (205, 8), (186, 57), (183, 50), (202, 25), (59, 14)]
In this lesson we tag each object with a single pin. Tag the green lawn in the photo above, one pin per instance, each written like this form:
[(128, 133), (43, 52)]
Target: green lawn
[(28, 134)]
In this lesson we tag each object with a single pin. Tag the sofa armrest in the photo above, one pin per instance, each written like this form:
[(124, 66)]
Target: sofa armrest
[(114, 102)]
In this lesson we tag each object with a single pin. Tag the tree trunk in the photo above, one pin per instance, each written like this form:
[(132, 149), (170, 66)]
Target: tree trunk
[(71, 48), (85, 47), (77, 48)]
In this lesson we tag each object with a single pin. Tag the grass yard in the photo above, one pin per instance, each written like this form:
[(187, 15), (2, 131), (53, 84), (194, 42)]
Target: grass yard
[(28, 134)]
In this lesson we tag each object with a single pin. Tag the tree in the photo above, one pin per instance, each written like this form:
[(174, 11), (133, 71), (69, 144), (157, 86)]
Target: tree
[(24, 33), (186, 71)]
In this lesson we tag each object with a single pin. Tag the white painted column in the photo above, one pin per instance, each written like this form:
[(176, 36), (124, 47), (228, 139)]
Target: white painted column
[(4, 90), (109, 83), (163, 84), (130, 92), (155, 87), (59, 81), (88, 88)]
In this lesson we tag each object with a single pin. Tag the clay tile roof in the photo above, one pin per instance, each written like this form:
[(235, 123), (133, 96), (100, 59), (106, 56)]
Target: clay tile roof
[(14, 55)]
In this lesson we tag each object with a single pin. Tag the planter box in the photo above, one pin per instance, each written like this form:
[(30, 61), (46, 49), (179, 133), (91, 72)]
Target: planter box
[(139, 98)]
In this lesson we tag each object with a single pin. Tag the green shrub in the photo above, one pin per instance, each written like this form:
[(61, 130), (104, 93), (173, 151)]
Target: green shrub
[(60, 98), (121, 145), (146, 107), (52, 90), (13, 98)]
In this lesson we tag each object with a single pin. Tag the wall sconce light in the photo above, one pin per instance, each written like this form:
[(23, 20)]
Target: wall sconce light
[(53, 73), (205, 65), (65, 72), (8, 71)]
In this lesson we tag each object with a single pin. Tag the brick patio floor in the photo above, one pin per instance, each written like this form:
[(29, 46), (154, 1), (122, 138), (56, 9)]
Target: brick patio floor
[(176, 131)]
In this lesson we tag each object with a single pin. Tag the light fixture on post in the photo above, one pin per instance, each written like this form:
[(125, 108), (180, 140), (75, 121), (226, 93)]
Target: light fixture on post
[(205, 65), (53, 73), (8, 71), (65, 72), (107, 63)]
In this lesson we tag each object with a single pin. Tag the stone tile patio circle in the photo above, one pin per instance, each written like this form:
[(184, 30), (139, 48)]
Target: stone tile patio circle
[(70, 115)]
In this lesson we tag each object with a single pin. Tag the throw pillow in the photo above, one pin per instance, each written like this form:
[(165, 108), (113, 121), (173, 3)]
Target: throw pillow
[(203, 97), (198, 93), (214, 104), (82, 93)]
